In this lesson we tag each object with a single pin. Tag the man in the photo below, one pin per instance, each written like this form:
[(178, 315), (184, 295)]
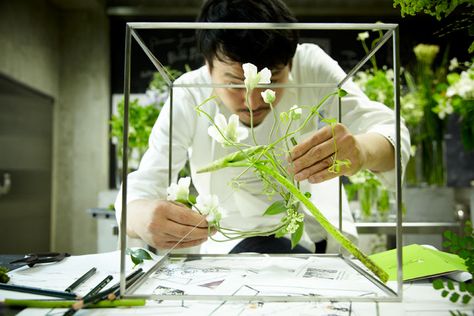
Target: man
[(366, 137)]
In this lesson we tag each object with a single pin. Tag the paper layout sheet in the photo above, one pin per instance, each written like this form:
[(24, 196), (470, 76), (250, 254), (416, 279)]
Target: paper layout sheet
[(259, 276), (59, 275)]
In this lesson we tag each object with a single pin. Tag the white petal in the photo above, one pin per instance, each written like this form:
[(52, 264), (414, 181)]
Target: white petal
[(250, 70), (242, 133), (214, 133), (184, 182), (265, 75), (233, 120), (220, 121), (171, 192)]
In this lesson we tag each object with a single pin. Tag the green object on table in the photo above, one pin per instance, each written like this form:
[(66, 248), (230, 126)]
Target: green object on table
[(69, 303), (419, 262)]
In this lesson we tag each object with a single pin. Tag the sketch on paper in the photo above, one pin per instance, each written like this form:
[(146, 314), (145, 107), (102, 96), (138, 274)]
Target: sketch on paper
[(259, 276)]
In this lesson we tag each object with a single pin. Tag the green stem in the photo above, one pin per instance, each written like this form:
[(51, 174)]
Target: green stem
[(69, 304), (247, 92), (314, 111), (343, 240)]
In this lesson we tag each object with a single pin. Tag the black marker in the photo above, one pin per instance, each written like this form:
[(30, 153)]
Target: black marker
[(35, 290), (99, 286), (81, 280)]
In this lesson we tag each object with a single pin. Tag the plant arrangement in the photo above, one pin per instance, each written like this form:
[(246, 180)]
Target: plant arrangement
[(460, 97), (371, 195), (441, 9), (429, 95), (268, 163), (463, 246)]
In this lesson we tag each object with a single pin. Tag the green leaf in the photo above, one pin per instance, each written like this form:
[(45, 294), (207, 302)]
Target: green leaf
[(341, 93), (4, 278), (438, 284), (296, 236), (138, 255), (307, 194), (444, 293), (141, 254), (462, 287), (454, 297), (450, 285), (192, 199), (453, 78), (281, 232), (448, 234), (276, 208), (136, 260), (466, 298)]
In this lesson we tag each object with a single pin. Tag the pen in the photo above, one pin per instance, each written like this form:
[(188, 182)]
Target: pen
[(99, 286), (85, 302), (81, 280), (35, 290)]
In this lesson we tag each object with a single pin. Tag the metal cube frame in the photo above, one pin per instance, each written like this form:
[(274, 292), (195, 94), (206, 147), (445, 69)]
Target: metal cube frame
[(390, 31)]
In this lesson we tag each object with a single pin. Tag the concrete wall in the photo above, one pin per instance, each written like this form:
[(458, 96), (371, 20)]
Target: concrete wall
[(64, 53), (29, 44), (82, 141)]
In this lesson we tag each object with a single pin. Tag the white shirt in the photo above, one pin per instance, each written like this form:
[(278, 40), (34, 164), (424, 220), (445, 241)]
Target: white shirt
[(245, 206)]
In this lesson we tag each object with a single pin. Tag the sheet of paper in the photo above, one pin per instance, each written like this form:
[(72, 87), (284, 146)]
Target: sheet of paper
[(58, 276), (260, 276), (419, 262)]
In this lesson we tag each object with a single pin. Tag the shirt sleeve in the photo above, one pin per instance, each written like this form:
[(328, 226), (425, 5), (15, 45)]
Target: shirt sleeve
[(359, 114), (150, 180)]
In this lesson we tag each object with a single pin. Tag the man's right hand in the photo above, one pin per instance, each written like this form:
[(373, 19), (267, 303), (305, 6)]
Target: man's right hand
[(162, 224)]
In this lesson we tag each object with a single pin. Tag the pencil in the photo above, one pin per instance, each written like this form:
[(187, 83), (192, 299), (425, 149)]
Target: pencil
[(93, 299), (99, 286), (35, 290), (81, 280), (54, 303)]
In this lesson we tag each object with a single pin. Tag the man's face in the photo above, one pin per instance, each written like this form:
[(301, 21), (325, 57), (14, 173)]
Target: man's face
[(234, 98)]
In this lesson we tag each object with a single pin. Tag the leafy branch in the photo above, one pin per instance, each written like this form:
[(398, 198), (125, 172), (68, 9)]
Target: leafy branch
[(4, 278), (463, 246)]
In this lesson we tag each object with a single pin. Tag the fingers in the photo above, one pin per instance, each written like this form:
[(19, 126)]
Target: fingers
[(179, 231), (164, 243), (318, 157), (312, 159), (185, 216), (317, 138), (314, 169)]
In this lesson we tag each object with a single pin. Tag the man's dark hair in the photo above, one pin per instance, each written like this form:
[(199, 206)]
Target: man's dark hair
[(263, 48)]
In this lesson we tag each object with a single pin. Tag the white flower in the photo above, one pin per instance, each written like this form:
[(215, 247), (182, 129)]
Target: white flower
[(444, 109), (180, 191), (453, 64), (296, 218), (464, 87), (232, 131), (268, 96), (209, 205), (295, 112), (253, 78), (362, 36)]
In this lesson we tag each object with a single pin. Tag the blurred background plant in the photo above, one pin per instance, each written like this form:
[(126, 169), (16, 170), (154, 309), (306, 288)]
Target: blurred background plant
[(441, 9), (429, 94), (371, 195), (143, 113)]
